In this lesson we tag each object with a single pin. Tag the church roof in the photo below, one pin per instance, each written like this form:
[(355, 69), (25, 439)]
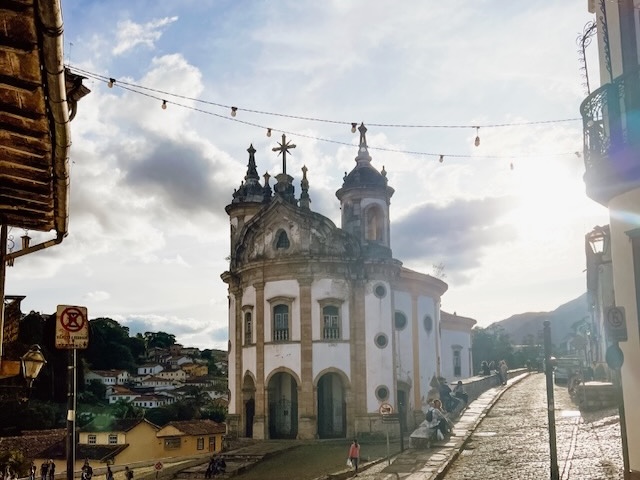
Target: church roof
[(364, 175)]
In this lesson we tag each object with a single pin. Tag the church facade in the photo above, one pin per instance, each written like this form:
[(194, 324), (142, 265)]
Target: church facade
[(326, 329)]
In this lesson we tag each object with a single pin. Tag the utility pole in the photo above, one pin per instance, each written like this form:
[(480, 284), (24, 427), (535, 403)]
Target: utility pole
[(551, 414)]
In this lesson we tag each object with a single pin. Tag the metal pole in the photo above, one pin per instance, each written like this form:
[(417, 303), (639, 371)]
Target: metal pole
[(623, 424), (71, 413), (553, 453)]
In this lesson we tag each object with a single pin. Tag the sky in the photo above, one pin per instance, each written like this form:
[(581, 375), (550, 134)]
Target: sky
[(148, 232)]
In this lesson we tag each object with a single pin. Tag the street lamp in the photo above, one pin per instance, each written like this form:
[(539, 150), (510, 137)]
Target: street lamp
[(598, 239), (32, 362)]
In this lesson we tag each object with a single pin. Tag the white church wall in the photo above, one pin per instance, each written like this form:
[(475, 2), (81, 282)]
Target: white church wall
[(331, 355), (282, 355), (453, 340), (329, 288), (428, 351), (282, 288), (249, 360), (379, 367), (403, 338)]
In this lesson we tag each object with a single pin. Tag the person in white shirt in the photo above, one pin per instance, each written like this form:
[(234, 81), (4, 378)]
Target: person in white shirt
[(436, 418)]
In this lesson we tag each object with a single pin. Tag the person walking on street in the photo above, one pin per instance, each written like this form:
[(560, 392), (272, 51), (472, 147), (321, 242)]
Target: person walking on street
[(87, 471), (354, 454), (32, 471), (52, 469), (44, 470), (109, 474), (128, 473)]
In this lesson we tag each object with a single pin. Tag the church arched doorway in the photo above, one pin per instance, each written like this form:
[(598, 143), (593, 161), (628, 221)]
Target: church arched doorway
[(248, 398), (332, 411), (283, 406)]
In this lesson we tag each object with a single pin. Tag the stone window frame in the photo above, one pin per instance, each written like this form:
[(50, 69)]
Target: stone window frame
[(280, 237), (247, 334), (172, 443), (381, 336), (325, 332), (200, 443), (285, 334), (376, 213), (113, 439), (457, 353), (377, 292), (382, 392), (395, 320)]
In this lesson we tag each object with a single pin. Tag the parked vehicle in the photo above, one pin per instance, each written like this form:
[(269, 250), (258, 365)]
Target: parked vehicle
[(566, 367)]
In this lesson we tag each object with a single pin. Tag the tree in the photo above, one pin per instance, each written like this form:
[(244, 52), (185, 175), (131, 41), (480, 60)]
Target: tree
[(159, 339), (109, 346), (124, 409), (490, 344)]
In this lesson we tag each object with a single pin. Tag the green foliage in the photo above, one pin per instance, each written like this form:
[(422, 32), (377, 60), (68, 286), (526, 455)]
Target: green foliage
[(159, 416), (217, 413), (98, 389), (108, 346), (159, 339), (490, 344), (123, 409), (16, 462)]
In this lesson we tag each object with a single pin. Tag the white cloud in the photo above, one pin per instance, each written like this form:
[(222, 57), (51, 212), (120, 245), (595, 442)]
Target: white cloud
[(130, 34)]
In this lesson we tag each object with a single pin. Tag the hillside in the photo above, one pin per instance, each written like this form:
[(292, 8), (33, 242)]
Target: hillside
[(521, 325)]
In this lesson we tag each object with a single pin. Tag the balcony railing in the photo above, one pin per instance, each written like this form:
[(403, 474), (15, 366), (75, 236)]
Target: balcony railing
[(611, 126)]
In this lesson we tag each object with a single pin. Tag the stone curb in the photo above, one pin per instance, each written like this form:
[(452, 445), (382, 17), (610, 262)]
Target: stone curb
[(455, 452)]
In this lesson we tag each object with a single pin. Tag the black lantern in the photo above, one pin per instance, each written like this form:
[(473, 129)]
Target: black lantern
[(32, 362)]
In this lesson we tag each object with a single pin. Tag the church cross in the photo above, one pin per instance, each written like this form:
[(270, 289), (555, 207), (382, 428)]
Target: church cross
[(284, 149)]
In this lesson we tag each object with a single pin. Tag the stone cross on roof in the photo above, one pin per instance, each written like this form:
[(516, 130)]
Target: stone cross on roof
[(284, 149)]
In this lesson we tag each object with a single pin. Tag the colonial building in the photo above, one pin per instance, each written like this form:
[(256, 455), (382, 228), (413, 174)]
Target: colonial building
[(326, 328)]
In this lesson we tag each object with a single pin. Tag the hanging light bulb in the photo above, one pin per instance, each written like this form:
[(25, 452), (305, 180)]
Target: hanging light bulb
[(353, 128), (111, 82), (268, 132), (441, 158), (233, 111), (164, 104), (477, 141)]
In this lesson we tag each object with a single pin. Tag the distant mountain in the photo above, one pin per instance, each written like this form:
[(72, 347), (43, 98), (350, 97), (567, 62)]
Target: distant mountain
[(519, 326)]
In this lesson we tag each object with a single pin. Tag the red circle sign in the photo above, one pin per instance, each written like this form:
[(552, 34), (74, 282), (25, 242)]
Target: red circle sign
[(158, 466), (72, 319)]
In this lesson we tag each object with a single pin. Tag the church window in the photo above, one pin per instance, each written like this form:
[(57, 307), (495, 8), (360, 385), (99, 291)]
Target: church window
[(380, 291), (428, 323), (248, 328), (374, 224), (457, 363), (331, 322), (282, 242), (382, 393), (400, 320), (280, 323), (381, 340)]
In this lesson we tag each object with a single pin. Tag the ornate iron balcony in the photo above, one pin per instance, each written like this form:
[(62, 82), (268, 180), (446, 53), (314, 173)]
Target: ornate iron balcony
[(611, 126)]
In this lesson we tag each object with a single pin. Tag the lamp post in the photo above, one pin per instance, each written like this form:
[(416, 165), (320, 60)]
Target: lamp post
[(549, 363), (32, 362)]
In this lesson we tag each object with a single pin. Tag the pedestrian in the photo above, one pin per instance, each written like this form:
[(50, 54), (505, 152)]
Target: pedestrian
[(128, 473), (437, 421), (32, 471), (87, 471), (459, 392), (44, 470), (52, 469), (354, 454), (109, 474), (503, 372)]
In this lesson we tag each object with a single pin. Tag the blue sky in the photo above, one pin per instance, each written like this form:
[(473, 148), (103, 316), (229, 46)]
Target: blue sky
[(148, 231)]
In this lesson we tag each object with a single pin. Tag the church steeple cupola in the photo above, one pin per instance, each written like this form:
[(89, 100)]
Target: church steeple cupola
[(364, 199), (284, 185), (305, 200), (250, 189)]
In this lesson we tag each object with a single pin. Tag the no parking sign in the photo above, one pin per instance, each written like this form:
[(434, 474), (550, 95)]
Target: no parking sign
[(72, 327)]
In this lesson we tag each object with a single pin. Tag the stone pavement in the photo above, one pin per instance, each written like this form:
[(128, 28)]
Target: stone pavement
[(509, 439)]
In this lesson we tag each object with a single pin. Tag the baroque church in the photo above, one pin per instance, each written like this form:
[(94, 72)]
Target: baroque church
[(327, 331)]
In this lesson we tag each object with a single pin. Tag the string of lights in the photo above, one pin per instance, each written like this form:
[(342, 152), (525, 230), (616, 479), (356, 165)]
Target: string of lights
[(161, 96)]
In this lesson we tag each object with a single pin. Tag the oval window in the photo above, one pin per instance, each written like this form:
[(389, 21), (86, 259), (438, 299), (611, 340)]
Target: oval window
[(381, 340), (380, 291), (428, 323), (400, 320), (382, 392)]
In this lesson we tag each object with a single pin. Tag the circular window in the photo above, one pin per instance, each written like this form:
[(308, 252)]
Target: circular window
[(382, 393), (428, 323), (400, 320), (380, 291), (381, 340)]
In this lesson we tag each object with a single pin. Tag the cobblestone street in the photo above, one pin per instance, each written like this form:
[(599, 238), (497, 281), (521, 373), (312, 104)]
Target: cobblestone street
[(512, 441)]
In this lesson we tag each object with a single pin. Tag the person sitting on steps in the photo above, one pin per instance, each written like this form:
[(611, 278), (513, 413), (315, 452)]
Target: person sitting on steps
[(437, 421)]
